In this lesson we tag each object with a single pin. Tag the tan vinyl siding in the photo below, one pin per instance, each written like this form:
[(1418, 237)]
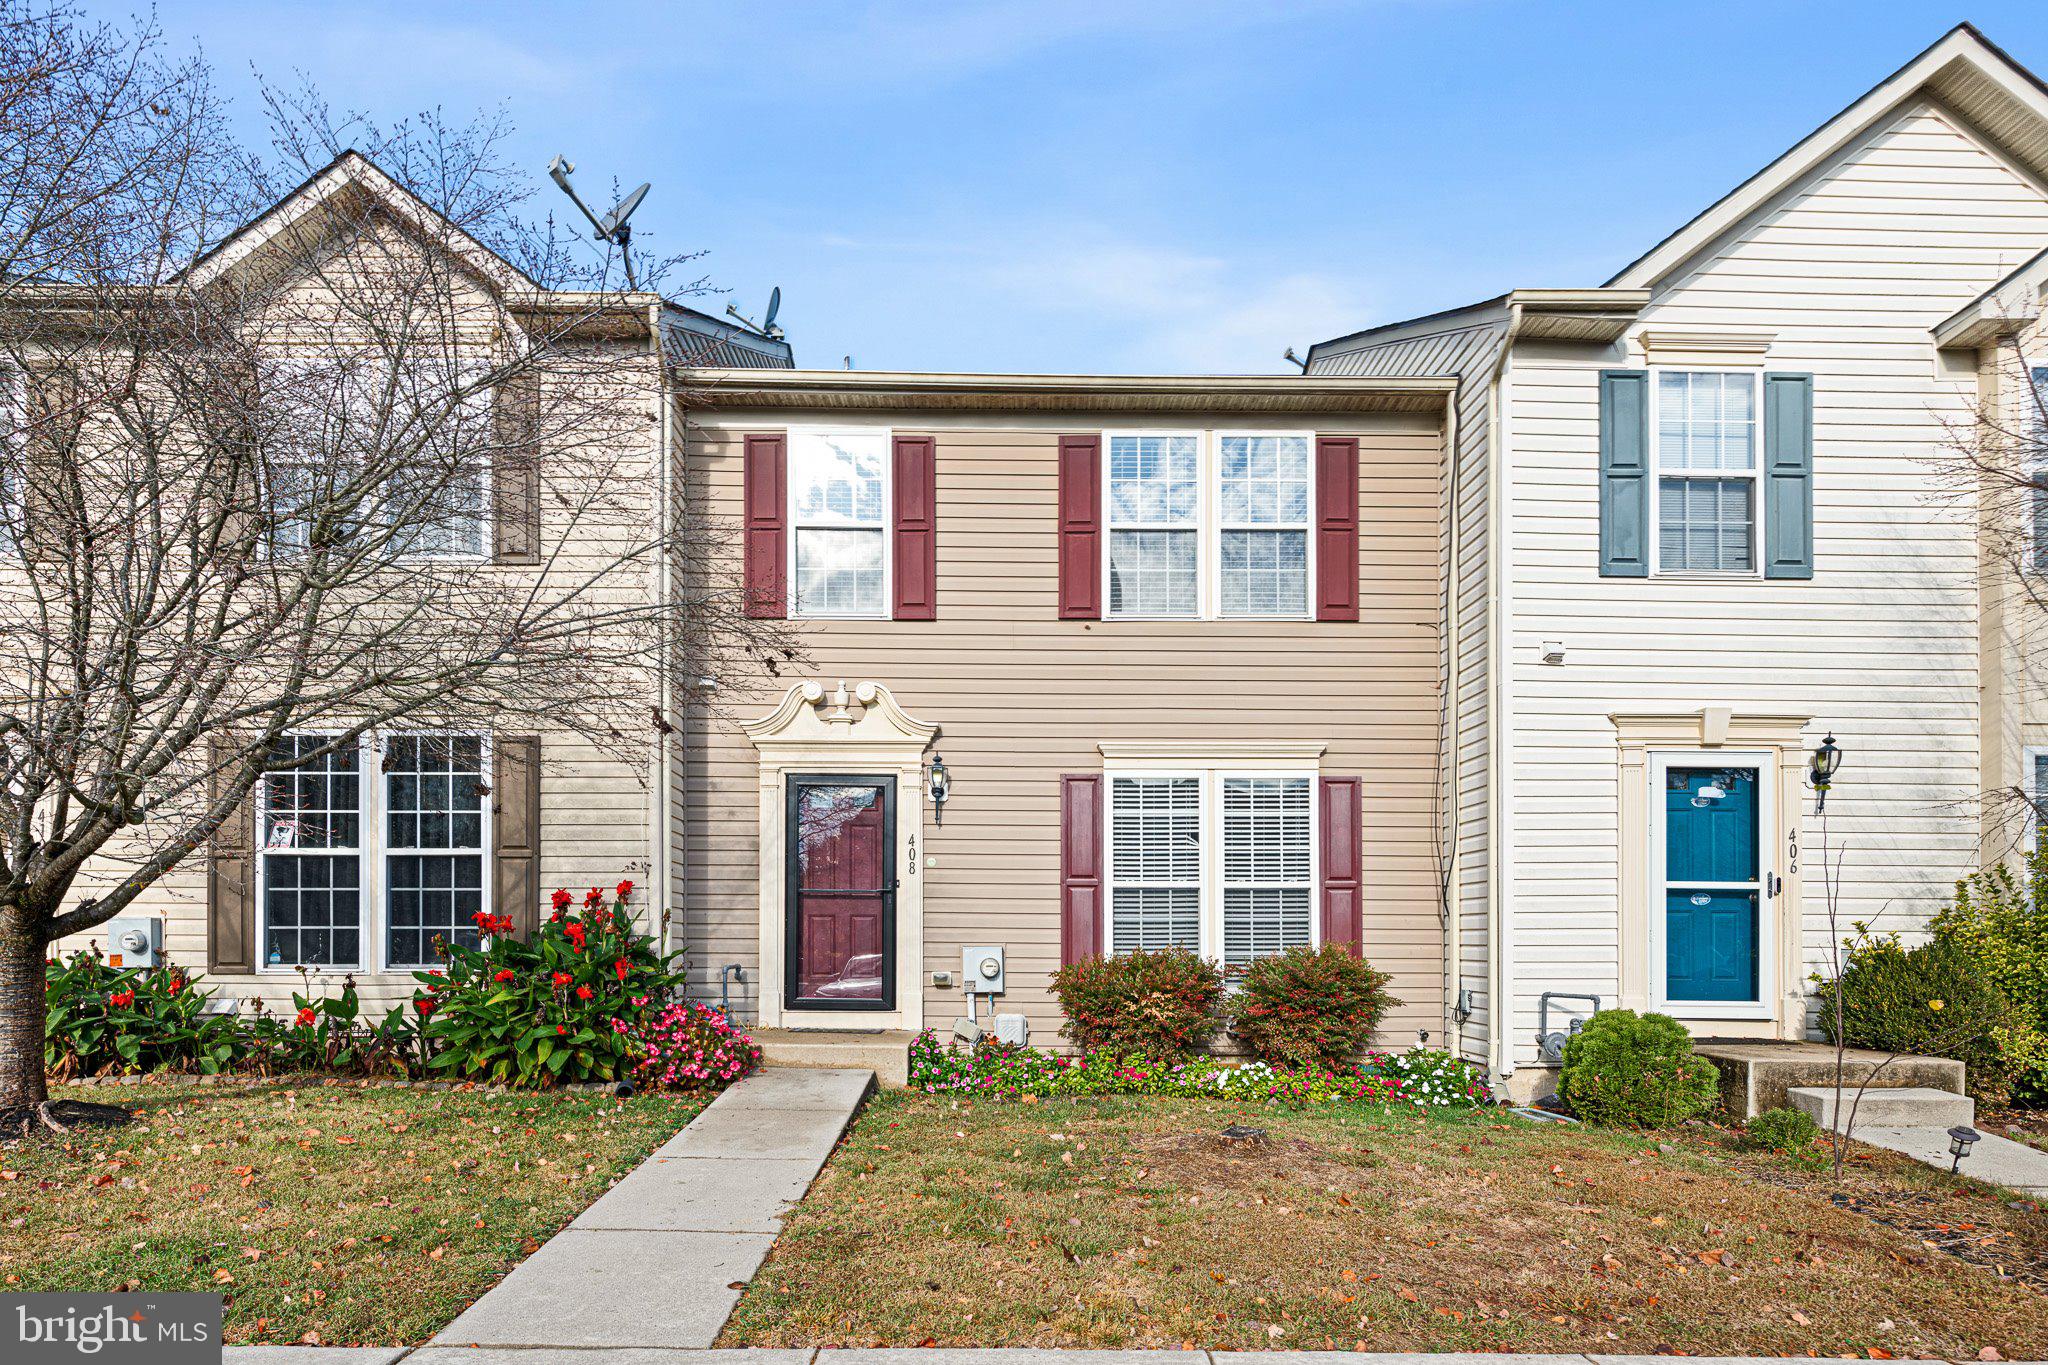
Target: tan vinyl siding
[(1023, 697), (1469, 352), (1847, 272)]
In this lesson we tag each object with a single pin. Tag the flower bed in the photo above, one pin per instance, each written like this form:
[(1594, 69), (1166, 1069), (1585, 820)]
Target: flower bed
[(1422, 1077)]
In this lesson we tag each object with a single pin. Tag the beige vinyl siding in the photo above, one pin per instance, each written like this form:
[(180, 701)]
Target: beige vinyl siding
[(1023, 697), (1469, 352), (1848, 272)]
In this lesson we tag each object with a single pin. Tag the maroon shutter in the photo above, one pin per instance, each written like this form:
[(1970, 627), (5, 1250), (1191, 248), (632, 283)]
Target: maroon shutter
[(1343, 832), (762, 473), (1336, 528), (916, 485), (1080, 867), (1080, 528)]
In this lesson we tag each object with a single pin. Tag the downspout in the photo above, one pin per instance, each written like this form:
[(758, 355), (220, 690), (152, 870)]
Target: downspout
[(1454, 938), (1500, 709), (658, 863)]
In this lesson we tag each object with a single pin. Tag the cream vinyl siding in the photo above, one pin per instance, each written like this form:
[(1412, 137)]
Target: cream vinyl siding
[(1022, 697), (1469, 352), (1846, 273)]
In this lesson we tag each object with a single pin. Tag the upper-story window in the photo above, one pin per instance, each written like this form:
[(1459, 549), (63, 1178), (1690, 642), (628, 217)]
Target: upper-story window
[(1704, 447), (2036, 473), (1207, 525), (839, 522)]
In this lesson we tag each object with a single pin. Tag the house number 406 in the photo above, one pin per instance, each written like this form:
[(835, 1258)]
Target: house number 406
[(1792, 854)]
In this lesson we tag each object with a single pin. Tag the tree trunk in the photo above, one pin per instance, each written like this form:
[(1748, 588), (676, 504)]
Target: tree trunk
[(21, 1012)]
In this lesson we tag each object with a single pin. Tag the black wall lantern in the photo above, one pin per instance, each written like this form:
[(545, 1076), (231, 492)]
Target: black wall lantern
[(941, 786), (1827, 760)]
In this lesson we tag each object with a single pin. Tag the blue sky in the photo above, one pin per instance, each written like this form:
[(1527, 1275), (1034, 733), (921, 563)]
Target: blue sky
[(1118, 185)]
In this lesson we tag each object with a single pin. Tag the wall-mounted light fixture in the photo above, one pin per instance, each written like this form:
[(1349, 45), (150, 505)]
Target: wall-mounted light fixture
[(1827, 761), (939, 783)]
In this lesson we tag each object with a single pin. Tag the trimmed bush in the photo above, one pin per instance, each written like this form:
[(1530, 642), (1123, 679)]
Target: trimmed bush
[(1629, 1070), (1160, 1005), (1785, 1131), (1999, 920), (1309, 1007), (1932, 999)]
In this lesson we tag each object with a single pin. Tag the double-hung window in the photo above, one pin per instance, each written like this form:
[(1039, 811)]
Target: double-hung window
[(1705, 447), (1208, 524), (839, 523), (1219, 862), (1262, 519), (1155, 525), (395, 862)]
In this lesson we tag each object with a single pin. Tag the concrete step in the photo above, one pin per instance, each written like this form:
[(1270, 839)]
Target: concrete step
[(886, 1052), (1892, 1107), (1755, 1076)]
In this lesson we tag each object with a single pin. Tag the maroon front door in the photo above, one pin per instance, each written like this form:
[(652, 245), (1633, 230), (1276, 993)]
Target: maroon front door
[(841, 893)]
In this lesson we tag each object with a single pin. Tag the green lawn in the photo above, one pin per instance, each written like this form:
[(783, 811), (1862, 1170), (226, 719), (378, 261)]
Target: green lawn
[(1127, 1222), (339, 1215)]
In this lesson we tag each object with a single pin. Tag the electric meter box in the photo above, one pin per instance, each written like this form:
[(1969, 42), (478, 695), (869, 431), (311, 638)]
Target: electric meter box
[(135, 942), (981, 971)]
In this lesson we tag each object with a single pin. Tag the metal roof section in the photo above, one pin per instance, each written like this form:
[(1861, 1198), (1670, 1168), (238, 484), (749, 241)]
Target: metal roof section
[(958, 392), (2010, 306), (699, 341), (1589, 315)]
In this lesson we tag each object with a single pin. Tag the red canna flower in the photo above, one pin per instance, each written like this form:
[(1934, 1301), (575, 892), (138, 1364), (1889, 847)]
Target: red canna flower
[(503, 974), (424, 1005), (560, 899), (560, 1030), (584, 992), (593, 897), (122, 999), (621, 967), (306, 1017), (561, 978), (625, 889)]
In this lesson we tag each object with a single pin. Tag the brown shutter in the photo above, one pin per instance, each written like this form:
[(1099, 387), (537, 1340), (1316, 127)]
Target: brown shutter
[(1081, 918), (1336, 528), (230, 870), (53, 423), (515, 471), (916, 489), (515, 830), (1080, 514), (763, 470), (1343, 835)]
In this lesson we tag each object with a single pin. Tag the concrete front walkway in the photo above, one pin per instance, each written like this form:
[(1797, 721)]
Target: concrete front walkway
[(660, 1260)]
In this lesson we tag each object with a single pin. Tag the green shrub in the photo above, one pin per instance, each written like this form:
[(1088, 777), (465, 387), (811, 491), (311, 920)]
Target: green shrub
[(1309, 1007), (329, 1034), (1629, 1070), (1999, 920), (557, 1010), (1160, 1005), (1932, 1000), (1785, 1131), (107, 1020)]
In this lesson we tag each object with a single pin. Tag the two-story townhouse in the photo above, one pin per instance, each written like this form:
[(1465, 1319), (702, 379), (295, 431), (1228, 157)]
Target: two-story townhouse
[(1705, 515)]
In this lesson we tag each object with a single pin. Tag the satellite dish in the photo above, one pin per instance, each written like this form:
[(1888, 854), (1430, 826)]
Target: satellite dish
[(774, 307), (622, 211)]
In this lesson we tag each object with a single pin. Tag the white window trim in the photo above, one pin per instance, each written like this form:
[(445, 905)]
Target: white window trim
[(2031, 755), (1758, 551), (888, 523), (1208, 527), (1765, 761), (1210, 809), (2037, 422), (372, 880)]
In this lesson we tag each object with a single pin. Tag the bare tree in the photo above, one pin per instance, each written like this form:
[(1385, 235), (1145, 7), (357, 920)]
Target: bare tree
[(391, 453)]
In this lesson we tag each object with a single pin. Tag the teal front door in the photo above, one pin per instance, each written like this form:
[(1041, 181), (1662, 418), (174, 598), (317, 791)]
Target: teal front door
[(1712, 884)]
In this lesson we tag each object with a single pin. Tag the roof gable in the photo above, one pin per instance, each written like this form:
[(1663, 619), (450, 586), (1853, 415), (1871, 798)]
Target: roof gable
[(2000, 99)]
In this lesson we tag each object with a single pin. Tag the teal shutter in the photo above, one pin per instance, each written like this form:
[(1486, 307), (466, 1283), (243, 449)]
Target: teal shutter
[(1788, 476), (1625, 473)]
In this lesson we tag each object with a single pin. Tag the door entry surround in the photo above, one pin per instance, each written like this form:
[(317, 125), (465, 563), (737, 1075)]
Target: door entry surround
[(814, 741)]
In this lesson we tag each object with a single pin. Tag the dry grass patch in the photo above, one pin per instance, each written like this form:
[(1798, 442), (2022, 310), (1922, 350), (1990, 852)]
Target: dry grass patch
[(1127, 1222), (338, 1215)]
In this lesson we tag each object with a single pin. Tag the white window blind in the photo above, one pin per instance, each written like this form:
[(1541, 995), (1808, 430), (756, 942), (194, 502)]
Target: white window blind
[(1268, 871), (839, 522), (1155, 863)]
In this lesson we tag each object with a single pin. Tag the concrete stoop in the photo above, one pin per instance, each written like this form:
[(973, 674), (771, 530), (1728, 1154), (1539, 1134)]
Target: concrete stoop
[(1759, 1076), (886, 1052), (1892, 1107)]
